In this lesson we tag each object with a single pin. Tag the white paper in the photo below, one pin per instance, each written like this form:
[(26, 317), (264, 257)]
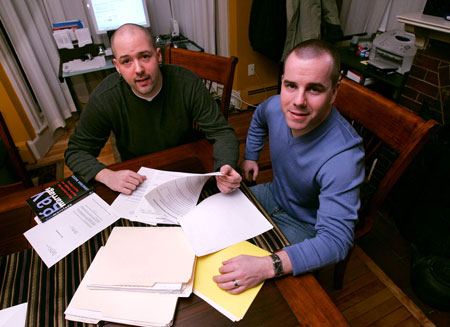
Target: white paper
[(14, 316), (59, 236), (84, 36), (63, 38), (136, 208), (145, 259), (222, 220), (226, 313), (177, 197), (136, 308)]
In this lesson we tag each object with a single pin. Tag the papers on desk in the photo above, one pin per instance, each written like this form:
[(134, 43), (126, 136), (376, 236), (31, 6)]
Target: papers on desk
[(136, 207), (218, 221), (135, 256), (78, 64), (59, 236), (222, 220), (68, 32), (232, 306), (83, 36), (14, 316), (145, 259)]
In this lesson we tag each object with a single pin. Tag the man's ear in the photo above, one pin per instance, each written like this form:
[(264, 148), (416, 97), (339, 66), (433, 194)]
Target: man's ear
[(335, 91), (158, 53), (116, 65)]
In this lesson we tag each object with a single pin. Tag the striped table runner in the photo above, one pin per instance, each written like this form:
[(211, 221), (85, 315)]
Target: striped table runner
[(48, 291)]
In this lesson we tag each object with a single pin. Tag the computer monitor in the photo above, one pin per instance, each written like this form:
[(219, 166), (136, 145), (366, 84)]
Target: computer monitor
[(108, 15)]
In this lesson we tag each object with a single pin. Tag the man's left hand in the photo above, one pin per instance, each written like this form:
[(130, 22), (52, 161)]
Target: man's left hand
[(230, 179), (244, 272)]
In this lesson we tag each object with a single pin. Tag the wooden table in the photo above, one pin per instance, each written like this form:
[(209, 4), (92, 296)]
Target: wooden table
[(286, 301)]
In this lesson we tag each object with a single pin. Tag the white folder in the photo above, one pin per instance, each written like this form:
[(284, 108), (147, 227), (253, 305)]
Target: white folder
[(156, 259)]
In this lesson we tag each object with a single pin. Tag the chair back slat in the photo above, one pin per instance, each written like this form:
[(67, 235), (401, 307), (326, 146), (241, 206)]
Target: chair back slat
[(383, 125), (389, 121), (22, 177), (208, 67)]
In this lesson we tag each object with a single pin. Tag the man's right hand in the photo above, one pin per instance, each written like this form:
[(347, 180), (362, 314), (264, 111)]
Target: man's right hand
[(123, 181), (250, 170)]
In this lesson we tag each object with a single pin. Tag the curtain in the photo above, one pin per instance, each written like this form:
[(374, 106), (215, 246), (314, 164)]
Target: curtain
[(196, 19), (30, 33), (370, 16)]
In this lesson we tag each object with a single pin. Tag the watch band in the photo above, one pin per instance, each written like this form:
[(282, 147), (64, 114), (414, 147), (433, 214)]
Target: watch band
[(277, 265)]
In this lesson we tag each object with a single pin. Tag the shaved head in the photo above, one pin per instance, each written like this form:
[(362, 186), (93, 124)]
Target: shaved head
[(317, 48), (130, 29)]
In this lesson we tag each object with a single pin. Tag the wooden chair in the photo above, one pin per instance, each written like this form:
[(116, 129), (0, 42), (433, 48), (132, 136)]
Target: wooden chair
[(210, 68), (18, 171), (392, 137)]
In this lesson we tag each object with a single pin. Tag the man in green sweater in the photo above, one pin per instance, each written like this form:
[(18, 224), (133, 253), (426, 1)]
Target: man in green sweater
[(149, 107)]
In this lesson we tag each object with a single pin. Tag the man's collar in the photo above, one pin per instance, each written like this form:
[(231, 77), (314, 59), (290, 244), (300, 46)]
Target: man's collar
[(149, 98)]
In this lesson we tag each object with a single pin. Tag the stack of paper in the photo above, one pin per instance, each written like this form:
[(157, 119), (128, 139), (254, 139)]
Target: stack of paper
[(136, 278), (169, 197), (183, 190)]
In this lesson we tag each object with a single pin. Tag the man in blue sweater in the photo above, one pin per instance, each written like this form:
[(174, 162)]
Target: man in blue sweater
[(317, 160)]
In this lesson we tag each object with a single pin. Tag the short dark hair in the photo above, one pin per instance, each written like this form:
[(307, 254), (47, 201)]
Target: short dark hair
[(315, 48), (130, 26)]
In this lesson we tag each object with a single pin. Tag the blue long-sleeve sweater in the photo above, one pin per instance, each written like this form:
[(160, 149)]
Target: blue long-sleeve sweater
[(316, 180)]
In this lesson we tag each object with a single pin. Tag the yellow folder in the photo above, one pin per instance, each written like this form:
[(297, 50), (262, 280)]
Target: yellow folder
[(232, 306)]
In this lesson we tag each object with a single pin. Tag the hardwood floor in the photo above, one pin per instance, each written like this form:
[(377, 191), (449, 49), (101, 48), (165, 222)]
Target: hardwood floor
[(376, 287)]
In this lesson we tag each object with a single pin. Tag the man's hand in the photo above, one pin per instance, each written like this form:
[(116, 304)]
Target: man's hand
[(250, 169), (123, 181), (230, 181), (244, 272)]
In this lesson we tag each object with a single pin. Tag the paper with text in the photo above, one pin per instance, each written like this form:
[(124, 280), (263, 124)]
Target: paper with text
[(177, 197), (64, 38), (135, 206), (59, 236), (83, 36), (222, 220)]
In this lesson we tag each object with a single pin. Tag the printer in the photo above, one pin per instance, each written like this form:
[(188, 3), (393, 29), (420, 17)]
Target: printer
[(393, 50)]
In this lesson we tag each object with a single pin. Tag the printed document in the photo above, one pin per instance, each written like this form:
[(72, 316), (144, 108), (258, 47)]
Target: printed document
[(59, 236), (136, 207)]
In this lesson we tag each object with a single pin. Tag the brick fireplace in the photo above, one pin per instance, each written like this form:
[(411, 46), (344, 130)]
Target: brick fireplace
[(428, 83)]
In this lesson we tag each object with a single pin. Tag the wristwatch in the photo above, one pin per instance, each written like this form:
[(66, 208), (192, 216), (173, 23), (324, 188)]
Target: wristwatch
[(277, 265)]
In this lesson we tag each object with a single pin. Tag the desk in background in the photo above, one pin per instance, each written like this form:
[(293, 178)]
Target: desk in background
[(389, 84), (83, 53), (286, 301), (93, 50)]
